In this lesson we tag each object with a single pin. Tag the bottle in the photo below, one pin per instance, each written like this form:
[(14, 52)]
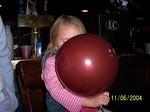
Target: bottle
[(36, 44), (45, 7), (21, 7), (39, 49)]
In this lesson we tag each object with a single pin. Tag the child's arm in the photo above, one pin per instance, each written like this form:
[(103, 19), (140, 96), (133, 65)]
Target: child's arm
[(70, 101)]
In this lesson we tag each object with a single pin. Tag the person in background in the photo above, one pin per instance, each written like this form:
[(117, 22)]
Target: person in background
[(64, 28), (8, 99)]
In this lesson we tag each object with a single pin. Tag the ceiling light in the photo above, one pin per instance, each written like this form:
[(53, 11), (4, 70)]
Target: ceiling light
[(84, 10)]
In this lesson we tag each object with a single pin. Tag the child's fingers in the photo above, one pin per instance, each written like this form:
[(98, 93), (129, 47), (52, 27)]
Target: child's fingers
[(106, 93), (104, 102), (105, 99)]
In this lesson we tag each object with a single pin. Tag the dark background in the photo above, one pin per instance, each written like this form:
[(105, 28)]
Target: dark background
[(134, 18), (136, 8)]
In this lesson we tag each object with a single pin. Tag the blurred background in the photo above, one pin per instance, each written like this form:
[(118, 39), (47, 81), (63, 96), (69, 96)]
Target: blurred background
[(130, 19)]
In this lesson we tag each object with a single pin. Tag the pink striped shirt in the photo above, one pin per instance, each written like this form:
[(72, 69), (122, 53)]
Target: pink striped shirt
[(70, 101)]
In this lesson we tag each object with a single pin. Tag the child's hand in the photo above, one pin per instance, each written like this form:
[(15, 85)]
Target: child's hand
[(98, 100)]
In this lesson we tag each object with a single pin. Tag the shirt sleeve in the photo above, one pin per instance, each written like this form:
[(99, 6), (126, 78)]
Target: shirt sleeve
[(5, 59), (70, 101), (8, 100)]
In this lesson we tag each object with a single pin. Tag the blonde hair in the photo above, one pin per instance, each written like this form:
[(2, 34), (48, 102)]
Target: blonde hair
[(64, 19)]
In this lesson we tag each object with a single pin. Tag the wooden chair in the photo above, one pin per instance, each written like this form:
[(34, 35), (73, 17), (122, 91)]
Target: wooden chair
[(31, 86)]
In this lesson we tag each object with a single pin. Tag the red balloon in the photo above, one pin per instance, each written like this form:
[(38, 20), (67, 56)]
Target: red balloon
[(86, 64)]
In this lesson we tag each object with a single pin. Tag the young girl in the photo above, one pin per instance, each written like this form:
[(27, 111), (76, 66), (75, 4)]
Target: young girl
[(64, 28)]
